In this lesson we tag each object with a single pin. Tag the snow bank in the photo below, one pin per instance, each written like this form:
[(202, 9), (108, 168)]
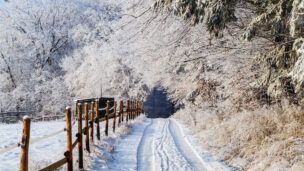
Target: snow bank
[(210, 163), (41, 143)]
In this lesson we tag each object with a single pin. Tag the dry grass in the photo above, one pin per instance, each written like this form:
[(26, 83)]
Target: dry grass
[(264, 139), (207, 89)]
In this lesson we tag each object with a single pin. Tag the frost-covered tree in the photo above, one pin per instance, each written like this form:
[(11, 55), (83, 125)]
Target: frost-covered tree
[(101, 72), (35, 36), (279, 22)]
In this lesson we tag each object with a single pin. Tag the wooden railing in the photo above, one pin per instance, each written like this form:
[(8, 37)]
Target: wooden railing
[(47, 118), (13, 117), (92, 112)]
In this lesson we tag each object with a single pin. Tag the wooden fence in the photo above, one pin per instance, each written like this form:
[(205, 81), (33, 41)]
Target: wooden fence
[(92, 112), (13, 117)]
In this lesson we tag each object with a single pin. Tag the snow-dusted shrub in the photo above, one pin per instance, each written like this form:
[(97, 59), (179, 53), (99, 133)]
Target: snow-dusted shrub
[(251, 140)]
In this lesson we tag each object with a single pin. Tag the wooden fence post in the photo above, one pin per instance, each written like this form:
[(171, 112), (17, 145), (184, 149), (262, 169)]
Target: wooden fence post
[(92, 122), (120, 111), (69, 152), (142, 107), (97, 119), (133, 109), (25, 143), (114, 119), (107, 118), (137, 108), (119, 114), (87, 141), (79, 136), (128, 111)]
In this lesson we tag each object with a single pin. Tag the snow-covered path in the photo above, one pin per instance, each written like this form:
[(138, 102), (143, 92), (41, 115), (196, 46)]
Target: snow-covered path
[(157, 144), (164, 148)]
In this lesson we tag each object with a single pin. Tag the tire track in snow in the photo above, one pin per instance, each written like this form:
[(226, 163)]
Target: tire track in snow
[(185, 148), (164, 159), (166, 141), (159, 146), (147, 141), (161, 150)]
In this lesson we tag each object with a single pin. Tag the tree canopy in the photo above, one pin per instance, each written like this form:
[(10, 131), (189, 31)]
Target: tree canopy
[(277, 21)]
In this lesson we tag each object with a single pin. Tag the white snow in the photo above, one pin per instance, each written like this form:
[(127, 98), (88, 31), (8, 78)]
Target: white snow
[(152, 144), (26, 117), (206, 158), (47, 143), (156, 144), (124, 156)]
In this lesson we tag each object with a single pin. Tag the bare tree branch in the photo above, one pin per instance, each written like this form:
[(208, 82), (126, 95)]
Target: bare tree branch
[(9, 71)]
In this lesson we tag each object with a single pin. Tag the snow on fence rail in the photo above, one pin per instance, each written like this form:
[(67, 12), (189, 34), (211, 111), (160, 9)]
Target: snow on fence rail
[(47, 118), (91, 111)]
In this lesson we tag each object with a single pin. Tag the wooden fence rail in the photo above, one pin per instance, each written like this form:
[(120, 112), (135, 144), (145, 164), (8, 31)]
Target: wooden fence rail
[(92, 112), (13, 117)]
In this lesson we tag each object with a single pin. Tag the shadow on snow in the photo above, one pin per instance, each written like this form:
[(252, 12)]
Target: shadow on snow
[(157, 104)]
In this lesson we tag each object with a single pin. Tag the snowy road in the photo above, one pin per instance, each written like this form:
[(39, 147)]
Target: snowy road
[(164, 148), (157, 144)]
